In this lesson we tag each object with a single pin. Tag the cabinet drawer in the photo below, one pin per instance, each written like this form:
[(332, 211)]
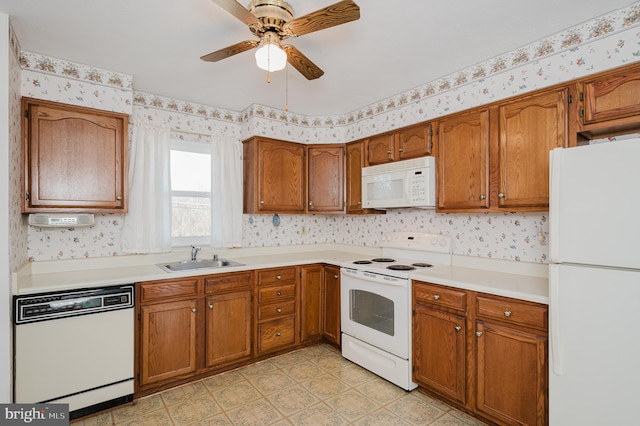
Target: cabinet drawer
[(163, 290), (275, 293), (276, 334), (275, 276), (440, 296), (276, 310), (513, 312), (227, 282)]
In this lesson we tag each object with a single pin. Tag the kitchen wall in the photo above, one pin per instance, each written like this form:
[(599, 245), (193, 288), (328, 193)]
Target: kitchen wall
[(13, 251), (602, 43)]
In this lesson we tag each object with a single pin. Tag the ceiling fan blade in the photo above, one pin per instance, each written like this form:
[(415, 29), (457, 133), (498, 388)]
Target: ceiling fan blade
[(336, 14), (243, 46), (302, 63), (238, 10)]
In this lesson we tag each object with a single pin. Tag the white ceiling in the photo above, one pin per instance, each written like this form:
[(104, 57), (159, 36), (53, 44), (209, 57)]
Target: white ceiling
[(395, 46)]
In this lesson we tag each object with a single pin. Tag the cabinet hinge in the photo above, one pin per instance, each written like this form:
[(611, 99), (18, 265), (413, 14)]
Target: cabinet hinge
[(138, 378), (581, 112), (570, 100), (430, 145), (581, 96), (139, 317), (27, 196), (430, 131), (26, 113)]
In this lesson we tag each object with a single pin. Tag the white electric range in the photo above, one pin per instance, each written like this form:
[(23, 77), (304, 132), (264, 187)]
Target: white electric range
[(376, 302)]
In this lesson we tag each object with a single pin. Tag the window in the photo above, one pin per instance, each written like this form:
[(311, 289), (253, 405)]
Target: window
[(190, 193)]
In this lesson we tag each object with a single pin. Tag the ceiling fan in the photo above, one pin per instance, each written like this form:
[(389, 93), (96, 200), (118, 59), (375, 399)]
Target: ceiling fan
[(272, 21)]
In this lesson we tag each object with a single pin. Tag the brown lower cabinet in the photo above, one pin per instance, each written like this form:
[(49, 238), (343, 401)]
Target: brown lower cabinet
[(485, 354), (192, 327)]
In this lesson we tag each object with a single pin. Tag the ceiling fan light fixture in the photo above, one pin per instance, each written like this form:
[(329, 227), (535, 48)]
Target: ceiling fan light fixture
[(270, 56)]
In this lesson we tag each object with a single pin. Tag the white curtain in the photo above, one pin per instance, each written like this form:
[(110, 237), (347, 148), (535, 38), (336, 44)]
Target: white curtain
[(147, 226), (226, 192)]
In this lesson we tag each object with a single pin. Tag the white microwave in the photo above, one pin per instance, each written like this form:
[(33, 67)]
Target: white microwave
[(408, 183)]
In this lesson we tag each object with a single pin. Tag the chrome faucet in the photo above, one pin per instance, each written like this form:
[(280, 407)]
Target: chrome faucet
[(194, 253)]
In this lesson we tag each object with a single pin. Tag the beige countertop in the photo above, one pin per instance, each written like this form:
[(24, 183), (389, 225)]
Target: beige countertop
[(519, 280)]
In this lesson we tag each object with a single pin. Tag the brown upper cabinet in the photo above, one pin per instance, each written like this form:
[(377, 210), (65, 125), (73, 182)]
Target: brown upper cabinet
[(611, 102), (528, 129), (462, 164), (354, 164), (497, 158), (402, 144), (326, 178), (75, 158), (274, 176)]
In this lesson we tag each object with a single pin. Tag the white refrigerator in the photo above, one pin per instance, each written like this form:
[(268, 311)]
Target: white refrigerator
[(594, 285)]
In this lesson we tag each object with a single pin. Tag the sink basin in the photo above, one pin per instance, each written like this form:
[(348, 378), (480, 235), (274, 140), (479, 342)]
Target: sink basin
[(187, 265)]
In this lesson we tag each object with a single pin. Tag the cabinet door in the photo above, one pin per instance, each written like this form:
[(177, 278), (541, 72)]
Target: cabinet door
[(355, 163), (463, 146), (228, 328), (439, 352), (512, 375), (75, 158), (326, 179), (168, 341), (381, 149), (281, 181), (331, 304), (529, 129), (311, 303), (612, 96), (414, 141)]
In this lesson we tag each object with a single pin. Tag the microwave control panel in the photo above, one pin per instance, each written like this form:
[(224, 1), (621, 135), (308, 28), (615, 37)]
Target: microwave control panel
[(417, 187)]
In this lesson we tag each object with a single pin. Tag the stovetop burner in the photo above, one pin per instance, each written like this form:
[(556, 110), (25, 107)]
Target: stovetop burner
[(422, 265), (362, 262), (383, 259), (401, 267)]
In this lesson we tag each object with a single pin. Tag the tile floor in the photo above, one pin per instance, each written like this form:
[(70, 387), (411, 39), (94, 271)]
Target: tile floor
[(311, 386)]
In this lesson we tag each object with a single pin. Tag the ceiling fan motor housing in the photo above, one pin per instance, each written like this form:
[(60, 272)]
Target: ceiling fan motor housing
[(273, 14)]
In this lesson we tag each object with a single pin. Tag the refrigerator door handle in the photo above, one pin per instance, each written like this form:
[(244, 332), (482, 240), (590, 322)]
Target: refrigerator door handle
[(554, 318), (555, 160)]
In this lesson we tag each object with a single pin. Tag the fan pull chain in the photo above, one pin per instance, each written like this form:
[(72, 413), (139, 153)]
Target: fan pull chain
[(286, 88)]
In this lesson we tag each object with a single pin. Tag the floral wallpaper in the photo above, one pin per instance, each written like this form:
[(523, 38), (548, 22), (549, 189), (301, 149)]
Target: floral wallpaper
[(17, 222), (603, 43), (67, 82)]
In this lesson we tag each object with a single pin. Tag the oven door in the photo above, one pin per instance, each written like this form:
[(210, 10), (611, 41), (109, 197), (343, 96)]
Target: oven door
[(374, 308)]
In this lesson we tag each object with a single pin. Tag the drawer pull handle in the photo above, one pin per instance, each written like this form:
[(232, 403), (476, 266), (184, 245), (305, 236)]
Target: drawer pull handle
[(457, 328), (278, 277), (389, 151), (261, 201), (478, 333), (400, 149), (335, 277), (193, 309), (482, 197), (278, 293), (210, 306), (279, 310), (436, 297), (501, 195), (119, 198), (277, 333), (507, 313)]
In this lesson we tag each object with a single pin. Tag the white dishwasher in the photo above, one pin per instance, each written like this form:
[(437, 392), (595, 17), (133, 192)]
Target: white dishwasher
[(75, 347)]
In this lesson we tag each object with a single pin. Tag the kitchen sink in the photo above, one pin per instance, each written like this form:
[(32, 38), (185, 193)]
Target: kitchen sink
[(187, 265)]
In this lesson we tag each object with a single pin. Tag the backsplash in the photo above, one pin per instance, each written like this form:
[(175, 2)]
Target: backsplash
[(512, 236), (603, 43)]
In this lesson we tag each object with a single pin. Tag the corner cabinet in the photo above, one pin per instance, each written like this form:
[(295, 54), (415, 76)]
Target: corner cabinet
[(274, 176), (75, 158)]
